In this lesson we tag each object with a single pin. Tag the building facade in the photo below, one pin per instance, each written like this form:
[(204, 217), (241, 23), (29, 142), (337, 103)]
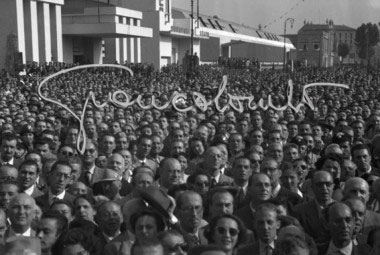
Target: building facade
[(318, 44)]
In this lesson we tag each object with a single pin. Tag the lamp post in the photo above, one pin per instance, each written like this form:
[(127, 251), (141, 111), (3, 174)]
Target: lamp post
[(291, 20), (192, 37)]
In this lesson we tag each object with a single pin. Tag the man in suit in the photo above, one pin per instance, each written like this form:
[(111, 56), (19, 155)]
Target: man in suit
[(90, 172), (59, 177), (50, 227), (7, 149), (242, 171), (357, 187), (189, 211), (28, 174), (212, 164), (21, 213), (260, 191), (266, 224), (271, 167), (341, 225), (361, 156), (310, 214)]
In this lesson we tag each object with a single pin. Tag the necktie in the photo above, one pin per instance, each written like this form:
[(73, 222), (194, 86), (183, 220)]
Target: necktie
[(195, 240), (88, 177), (241, 197), (213, 182), (268, 250)]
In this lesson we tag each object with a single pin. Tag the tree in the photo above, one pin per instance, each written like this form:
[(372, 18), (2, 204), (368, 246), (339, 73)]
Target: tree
[(343, 50), (367, 36)]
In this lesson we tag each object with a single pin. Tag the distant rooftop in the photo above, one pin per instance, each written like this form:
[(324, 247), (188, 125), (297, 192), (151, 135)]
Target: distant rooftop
[(216, 23), (324, 27)]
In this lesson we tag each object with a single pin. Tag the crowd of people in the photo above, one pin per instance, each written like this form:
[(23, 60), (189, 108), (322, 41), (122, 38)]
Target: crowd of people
[(153, 181)]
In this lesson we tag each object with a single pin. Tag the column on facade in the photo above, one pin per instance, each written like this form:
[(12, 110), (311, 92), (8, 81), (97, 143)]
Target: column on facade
[(58, 18), (124, 44), (117, 44), (34, 31), (138, 46), (131, 46), (20, 28), (44, 30)]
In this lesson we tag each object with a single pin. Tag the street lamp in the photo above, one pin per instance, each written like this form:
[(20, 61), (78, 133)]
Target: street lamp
[(291, 20)]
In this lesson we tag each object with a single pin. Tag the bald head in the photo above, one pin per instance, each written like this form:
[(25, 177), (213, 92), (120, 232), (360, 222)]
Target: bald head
[(21, 212), (116, 162), (356, 187)]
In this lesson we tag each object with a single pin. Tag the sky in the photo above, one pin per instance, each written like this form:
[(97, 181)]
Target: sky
[(273, 13)]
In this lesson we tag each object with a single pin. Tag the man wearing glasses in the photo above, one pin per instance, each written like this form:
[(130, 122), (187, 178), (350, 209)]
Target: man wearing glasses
[(58, 179)]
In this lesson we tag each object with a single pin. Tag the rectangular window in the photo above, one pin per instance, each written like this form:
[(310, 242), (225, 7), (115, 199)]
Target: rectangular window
[(220, 26), (232, 28), (212, 24), (203, 22)]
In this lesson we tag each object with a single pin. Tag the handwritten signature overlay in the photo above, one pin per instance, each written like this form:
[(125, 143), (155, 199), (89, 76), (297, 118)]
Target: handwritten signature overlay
[(199, 100)]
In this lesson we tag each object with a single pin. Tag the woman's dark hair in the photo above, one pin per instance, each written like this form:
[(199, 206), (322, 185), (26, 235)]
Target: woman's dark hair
[(209, 232), (160, 222), (73, 237), (192, 154)]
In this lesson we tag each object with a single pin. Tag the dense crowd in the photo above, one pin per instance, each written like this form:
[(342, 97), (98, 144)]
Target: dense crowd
[(160, 182)]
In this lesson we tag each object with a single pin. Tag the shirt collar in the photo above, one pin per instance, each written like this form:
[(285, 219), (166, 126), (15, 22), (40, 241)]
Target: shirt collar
[(276, 190), (59, 196), (27, 233), (10, 162), (29, 190), (92, 169), (347, 250)]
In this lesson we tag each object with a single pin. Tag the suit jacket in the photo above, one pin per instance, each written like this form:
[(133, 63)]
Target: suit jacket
[(251, 249), (371, 221), (36, 192), (122, 245), (43, 201), (311, 218), (97, 176), (225, 179), (288, 197), (246, 215)]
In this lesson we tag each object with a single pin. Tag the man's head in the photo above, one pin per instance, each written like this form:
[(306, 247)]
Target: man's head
[(266, 223), (144, 146), (361, 157), (51, 225), (109, 218), (8, 190), (341, 224), (171, 172), (358, 209), (221, 202), (242, 170), (108, 143), (190, 210), (21, 212), (261, 188), (143, 179), (44, 146), (147, 246), (275, 151), (8, 146), (8, 172), (90, 154), (290, 179), (59, 176), (270, 167), (322, 184), (356, 187), (28, 173), (213, 160), (116, 162)]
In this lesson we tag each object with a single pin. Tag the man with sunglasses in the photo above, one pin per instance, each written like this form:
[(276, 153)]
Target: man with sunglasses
[(90, 172), (310, 213)]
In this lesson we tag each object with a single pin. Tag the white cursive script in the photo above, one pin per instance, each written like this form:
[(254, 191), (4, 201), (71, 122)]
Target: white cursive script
[(199, 100)]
